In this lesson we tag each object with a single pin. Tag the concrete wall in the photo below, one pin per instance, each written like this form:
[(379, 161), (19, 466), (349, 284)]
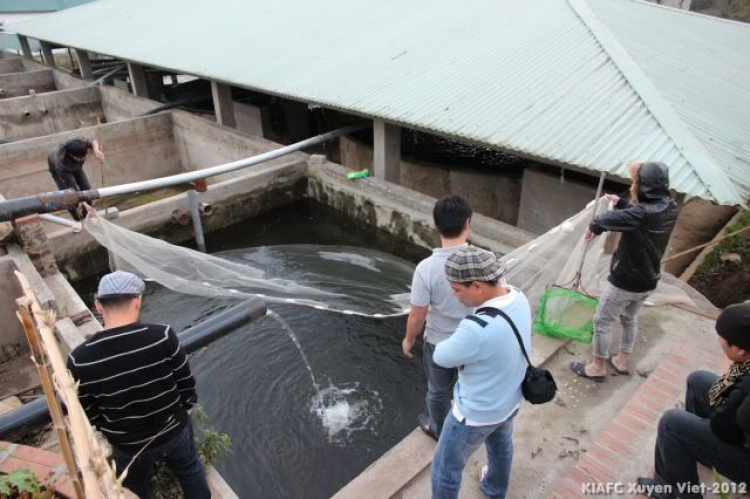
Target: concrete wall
[(546, 201), (489, 192), (11, 66), (120, 105), (46, 114), (138, 149), (203, 144), (249, 119), (400, 211), (17, 84)]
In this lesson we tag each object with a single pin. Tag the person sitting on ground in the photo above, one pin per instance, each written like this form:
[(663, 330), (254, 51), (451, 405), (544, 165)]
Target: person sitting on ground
[(646, 224), (66, 167), (433, 303), (136, 387), (491, 367), (713, 429)]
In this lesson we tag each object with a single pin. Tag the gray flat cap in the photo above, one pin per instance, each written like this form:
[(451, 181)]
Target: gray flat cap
[(120, 283), (473, 264)]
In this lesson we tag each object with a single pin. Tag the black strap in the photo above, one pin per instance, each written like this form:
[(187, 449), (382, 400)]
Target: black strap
[(494, 312), (476, 319)]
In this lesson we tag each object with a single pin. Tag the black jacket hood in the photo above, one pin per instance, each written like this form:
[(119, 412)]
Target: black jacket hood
[(653, 182)]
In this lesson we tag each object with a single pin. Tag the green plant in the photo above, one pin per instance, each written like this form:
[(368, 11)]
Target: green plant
[(735, 244), (211, 446), (720, 482), (22, 483)]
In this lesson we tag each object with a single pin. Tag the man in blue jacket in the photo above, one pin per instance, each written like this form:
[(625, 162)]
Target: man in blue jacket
[(646, 223), (491, 367)]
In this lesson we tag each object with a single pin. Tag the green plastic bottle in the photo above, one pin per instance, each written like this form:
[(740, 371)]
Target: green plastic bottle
[(360, 174)]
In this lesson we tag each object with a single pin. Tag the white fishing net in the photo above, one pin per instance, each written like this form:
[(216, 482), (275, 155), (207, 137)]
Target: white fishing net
[(357, 281), (363, 281)]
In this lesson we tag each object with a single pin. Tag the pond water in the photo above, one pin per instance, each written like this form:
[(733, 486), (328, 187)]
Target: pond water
[(290, 437)]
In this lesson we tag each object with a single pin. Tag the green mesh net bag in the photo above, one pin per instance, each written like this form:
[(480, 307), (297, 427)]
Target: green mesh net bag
[(565, 313)]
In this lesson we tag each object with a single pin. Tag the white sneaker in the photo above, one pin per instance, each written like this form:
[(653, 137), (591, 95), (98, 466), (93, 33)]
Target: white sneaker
[(483, 473)]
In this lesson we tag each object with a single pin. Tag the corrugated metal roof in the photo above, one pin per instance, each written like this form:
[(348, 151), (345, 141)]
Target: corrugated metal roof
[(559, 80)]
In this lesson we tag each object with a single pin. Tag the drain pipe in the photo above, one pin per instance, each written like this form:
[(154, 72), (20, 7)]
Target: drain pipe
[(215, 327), (54, 201), (195, 213)]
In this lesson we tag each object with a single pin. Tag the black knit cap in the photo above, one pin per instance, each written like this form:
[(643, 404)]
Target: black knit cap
[(733, 325)]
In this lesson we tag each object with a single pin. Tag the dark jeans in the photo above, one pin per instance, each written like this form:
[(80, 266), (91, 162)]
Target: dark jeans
[(82, 184), (181, 457), (684, 438), (440, 381)]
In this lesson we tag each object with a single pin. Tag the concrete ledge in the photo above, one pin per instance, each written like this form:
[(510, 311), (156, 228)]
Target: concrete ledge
[(401, 211), (385, 477), (220, 489)]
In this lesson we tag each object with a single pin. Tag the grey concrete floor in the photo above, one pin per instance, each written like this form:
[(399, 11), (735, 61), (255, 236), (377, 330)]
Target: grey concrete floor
[(549, 439)]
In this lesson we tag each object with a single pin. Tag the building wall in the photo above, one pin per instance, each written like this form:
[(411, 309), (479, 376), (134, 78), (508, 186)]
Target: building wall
[(546, 201), (202, 144), (249, 119), (489, 192)]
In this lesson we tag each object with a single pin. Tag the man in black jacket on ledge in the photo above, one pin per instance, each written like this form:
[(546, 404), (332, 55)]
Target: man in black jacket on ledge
[(646, 223), (713, 428)]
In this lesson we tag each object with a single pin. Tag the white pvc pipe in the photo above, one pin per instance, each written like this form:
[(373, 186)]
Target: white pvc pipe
[(183, 178), (58, 220)]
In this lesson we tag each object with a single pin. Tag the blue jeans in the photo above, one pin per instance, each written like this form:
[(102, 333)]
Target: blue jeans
[(181, 457), (440, 381), (458, 442), (684, 438)]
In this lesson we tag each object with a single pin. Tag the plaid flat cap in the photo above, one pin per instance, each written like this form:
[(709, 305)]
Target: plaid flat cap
[(473, 264), (120, 283)]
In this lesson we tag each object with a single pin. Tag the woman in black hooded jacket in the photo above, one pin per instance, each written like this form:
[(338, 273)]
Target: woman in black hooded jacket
[(646, 223)]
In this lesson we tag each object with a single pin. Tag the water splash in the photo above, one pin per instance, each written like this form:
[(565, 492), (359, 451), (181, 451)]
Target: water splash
[(346, 409), (341, 409)]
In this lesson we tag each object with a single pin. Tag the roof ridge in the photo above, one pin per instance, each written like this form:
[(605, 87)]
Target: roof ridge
[(710, 173)]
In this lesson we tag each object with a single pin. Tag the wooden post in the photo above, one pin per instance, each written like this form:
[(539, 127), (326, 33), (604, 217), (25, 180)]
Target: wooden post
[(24, 315), (99, 479)]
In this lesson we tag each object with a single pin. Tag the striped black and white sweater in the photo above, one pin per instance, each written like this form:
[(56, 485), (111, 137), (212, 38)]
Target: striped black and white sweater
[(135, 383)]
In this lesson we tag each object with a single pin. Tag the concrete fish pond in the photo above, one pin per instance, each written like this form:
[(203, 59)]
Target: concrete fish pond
[(310, 397)]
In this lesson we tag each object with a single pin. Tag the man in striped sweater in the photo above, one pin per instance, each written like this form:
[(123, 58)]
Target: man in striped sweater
[(136, 387)]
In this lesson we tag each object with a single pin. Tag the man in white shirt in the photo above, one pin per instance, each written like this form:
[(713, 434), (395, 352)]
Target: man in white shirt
[(433, 303)]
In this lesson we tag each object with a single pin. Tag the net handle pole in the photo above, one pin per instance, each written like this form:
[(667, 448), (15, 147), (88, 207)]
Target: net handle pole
[(593, 217)]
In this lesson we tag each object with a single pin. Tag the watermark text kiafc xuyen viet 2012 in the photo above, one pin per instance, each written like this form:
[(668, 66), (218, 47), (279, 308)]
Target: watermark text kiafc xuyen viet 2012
[(630, 488)]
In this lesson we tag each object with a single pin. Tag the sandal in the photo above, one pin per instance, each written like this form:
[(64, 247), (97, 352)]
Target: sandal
[(580, 369), (621, 372)]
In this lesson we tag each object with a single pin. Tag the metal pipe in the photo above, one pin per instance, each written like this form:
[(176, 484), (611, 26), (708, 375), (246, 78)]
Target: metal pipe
[(195, 216), (213, 328), (183, 178), (58, 220), (106, 75), (58, 200)]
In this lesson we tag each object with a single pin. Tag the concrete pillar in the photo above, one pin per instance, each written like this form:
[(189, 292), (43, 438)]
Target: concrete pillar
[(387, 145), (138, 81), (47, 55), (25, 47), (84, 64), (223, 105)]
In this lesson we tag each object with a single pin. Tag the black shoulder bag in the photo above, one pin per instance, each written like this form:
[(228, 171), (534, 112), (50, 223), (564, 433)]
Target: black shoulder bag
[(538, 385)]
